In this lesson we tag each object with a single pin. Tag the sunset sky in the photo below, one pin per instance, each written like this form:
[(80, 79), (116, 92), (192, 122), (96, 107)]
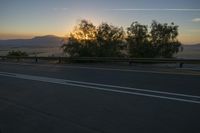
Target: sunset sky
[(29, 18)]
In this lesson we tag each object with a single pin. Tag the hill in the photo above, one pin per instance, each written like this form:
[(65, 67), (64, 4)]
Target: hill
[(40, 41), (190, 52)]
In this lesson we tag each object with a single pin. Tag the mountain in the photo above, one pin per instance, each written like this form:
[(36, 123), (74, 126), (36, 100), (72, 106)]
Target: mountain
[(190, 52), (192, 47), (40, 41), (54, 42)]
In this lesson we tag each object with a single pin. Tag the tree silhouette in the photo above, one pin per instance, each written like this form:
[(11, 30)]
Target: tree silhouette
[(89, 41), (17, 53), (164, 39), (160, 42), (110, 40), (82, 41), (107, 40), (138, 41)]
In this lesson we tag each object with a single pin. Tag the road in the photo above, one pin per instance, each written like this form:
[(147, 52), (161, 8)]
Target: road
[(38, 98)]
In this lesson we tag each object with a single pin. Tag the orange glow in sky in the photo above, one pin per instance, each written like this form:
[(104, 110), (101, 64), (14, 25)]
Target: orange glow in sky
[(26, 19)]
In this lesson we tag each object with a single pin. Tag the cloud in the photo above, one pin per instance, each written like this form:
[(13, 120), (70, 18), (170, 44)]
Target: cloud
[(193, 30), (196, 20), (60, 9), (154, 9), (64, 9)]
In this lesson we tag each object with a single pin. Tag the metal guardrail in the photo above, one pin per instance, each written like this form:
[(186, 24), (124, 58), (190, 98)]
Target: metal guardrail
[(107, 59)]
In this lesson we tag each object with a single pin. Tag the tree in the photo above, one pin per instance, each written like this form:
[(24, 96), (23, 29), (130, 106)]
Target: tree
[(160, 42), (138, 41), (72, 47), (89, 41), (82, 41), (17, 53), (164, 39), (109, 40)]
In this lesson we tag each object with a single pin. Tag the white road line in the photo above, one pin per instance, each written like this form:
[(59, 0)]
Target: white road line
[(106, 69), (134, 89), (102, 85), (99, 87)]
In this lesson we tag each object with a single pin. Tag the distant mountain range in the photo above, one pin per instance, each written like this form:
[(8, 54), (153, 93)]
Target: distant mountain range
[(55, 41), (190, 52), (40, 41), (51, 41), (192, 47)]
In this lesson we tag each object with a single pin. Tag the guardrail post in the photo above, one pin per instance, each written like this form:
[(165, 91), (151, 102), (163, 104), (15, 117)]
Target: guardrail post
[(18, 59), (36, 60), (59, 60), (181, 65), (3, 58), (130, 62)]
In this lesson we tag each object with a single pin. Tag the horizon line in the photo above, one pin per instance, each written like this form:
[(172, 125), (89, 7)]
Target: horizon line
[(154, 9), (32, 37)]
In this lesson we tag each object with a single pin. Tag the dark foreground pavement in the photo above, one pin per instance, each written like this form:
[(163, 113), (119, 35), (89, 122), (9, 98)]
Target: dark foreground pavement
[(34, 106)]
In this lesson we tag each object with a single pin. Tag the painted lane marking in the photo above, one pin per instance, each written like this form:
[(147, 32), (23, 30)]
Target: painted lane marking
[(102, 85), (125, 90)]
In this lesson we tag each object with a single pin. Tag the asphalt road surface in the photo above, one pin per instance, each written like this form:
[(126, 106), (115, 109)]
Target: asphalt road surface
[(76, 98)]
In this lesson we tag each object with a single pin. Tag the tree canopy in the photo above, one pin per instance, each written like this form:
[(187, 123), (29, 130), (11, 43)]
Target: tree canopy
[(105, 40), (88, 40), (138, 41), (109, 39), (81, 40), (17, 53), (164, 39)]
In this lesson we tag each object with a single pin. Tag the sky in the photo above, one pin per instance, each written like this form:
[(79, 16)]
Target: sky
[(29, 18)]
